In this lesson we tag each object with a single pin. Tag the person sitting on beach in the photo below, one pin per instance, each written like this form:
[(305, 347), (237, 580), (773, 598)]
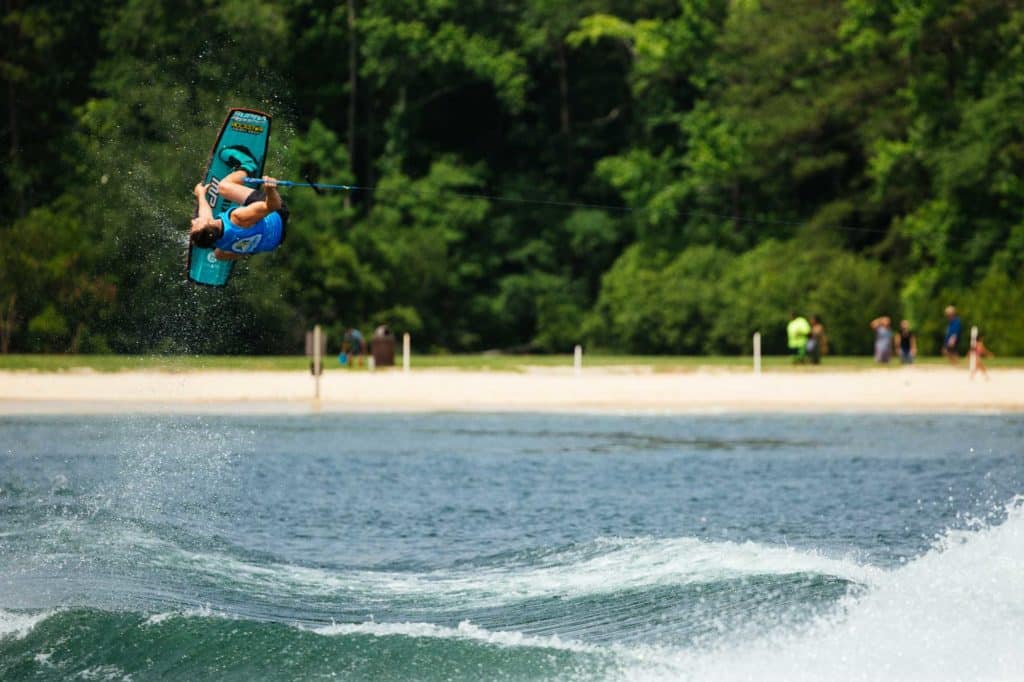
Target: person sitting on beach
[(354, 347), (256, 225)]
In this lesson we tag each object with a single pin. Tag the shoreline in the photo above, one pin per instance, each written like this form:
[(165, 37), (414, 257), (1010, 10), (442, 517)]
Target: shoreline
[(540, 390)]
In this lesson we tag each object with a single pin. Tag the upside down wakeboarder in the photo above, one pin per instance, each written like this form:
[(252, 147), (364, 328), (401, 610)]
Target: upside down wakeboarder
[(255, 225), (232, 219)]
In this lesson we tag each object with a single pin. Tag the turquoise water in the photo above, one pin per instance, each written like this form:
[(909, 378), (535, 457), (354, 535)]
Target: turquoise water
[(512, 547)]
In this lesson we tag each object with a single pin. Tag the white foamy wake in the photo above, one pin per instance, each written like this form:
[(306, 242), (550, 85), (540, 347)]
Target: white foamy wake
[(955, 613), (464, 631), (604, 567), (197, 612), (18, 625)]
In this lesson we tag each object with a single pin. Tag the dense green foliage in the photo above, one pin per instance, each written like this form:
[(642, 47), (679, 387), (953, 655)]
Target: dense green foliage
[(655, 176)]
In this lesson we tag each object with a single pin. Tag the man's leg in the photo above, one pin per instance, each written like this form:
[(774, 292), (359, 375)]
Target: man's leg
[(233, 187)]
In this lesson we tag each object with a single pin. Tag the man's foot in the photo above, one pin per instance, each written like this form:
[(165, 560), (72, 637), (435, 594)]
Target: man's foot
[(239, 158)]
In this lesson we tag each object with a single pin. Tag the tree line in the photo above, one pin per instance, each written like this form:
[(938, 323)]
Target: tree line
[(650, 176)]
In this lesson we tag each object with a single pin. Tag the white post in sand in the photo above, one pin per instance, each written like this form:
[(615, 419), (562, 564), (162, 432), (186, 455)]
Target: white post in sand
[(406, 351), (972, 355), (577, 360), (318, 358), (757, 352)]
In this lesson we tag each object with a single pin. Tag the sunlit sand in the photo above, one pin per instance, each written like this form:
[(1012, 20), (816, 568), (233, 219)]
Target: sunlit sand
[(538, 389)]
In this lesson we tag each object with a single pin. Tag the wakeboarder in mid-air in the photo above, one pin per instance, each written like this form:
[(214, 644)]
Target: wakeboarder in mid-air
[(257, 222)]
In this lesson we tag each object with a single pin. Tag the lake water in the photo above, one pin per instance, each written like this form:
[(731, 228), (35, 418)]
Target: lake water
[(512, 547)]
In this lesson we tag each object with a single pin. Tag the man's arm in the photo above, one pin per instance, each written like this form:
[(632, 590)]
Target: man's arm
[(247, 216), (273, 198), (205, 213)]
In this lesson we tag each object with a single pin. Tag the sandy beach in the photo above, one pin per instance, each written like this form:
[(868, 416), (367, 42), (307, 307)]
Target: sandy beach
[(538, 390)]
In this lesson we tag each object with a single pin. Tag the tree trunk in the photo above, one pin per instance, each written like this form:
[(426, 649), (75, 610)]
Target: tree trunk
[(76, 339), (8, 322), (352, 93), (13, 165), (737, 212), (368, 156), (12, 120), (566, 117)]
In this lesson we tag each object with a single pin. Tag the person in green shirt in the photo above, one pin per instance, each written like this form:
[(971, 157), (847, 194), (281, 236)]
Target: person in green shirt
[(797, 332)]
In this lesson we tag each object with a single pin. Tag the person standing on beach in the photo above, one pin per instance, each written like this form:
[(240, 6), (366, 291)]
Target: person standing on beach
[(797, 332), (883, 338), (906, 342), (952, 338), (817, 345), (980, 351)]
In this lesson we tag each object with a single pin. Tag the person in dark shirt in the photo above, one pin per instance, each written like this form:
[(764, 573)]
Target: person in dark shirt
[(906, 343)]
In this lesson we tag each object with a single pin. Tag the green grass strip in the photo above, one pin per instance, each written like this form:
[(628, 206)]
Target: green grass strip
[(469, 362)]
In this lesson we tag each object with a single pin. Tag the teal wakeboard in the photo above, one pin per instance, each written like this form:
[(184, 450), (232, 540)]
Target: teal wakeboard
[(243, 128)]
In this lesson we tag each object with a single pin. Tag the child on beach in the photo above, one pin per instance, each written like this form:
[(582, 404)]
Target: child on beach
[(978, 352)]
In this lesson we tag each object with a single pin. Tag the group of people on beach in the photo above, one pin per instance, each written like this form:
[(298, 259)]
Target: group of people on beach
[(978, 351), (904, 341), (807, 341), (887, 342)]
